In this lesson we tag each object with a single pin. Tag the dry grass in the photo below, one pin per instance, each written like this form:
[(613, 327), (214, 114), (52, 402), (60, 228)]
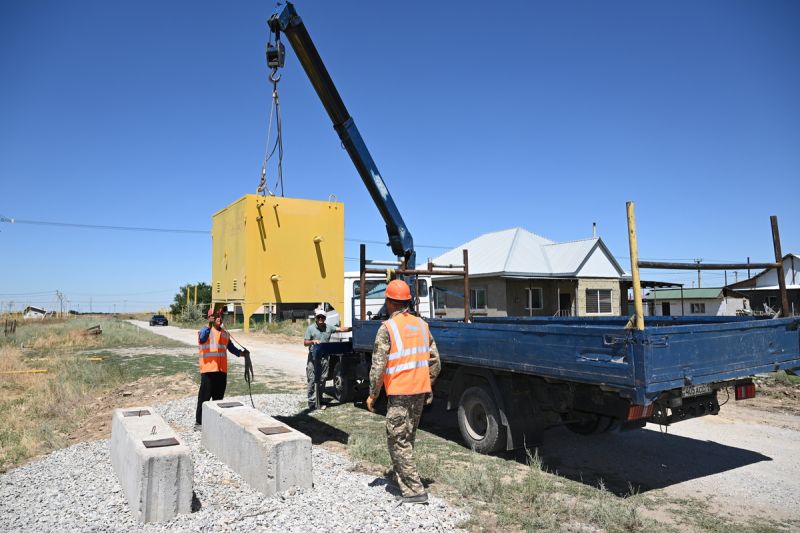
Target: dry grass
[(38, 411)]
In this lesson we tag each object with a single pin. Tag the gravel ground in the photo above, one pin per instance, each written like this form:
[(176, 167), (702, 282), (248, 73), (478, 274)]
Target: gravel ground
[(75, 489)]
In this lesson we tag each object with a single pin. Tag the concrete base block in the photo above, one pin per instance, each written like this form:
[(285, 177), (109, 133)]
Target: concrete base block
[(270, 463), (157, 481)]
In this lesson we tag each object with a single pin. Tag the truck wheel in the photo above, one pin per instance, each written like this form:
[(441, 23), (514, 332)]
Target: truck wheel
[(342, 385), (479, 421), (592, 425)]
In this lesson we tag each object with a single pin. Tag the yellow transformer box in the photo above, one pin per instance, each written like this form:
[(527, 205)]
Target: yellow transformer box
[(273, 250)]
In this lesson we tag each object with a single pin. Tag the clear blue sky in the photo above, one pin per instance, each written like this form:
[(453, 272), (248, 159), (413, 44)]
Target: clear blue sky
[(481, 116)]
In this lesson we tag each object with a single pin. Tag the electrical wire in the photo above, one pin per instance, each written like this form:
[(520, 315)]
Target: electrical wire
[(98, 226)]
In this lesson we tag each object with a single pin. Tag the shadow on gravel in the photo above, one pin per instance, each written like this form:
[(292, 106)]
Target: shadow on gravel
[(625, 462), (196, 505), (318, 430)]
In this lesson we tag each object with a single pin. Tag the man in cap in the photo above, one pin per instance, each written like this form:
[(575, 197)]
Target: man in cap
[(405, 361), (318, 364), (214, 344)]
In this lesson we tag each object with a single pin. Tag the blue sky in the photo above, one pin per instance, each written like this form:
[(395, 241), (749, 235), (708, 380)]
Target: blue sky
[(481, 116)]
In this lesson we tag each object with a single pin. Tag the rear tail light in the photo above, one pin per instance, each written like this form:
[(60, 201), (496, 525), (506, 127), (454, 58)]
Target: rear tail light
[(637, 412), (745, 390)]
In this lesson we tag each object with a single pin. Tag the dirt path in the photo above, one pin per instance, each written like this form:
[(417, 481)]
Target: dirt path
[(743, 463), (280, 353)]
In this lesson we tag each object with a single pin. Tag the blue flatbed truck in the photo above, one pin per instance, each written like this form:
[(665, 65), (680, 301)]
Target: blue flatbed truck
[(510, 378)]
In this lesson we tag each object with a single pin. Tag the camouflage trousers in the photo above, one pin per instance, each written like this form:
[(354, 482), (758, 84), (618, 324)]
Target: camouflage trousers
[(402, 419)]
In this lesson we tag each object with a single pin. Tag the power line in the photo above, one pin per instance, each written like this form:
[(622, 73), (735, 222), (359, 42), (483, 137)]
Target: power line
[(9, 220), (97, 226)]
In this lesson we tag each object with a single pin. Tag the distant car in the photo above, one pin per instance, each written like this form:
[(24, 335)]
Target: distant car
[(158, 320)]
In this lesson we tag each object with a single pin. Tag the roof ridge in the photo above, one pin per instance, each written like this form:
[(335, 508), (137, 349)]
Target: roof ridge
[(573, 240), (511, 248)]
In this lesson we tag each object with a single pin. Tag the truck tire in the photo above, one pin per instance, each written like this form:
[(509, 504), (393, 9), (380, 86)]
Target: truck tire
[(479, 421), (343, 389), (592, 425)]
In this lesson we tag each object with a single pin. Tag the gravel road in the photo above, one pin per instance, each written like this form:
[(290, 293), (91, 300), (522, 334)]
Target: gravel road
[(75, 489), (288, 358)]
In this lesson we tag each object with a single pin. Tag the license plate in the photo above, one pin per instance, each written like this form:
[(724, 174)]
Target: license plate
[(695, 390)]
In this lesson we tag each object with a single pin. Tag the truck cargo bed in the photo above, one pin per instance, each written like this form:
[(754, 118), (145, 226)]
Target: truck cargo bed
[(670, 353)]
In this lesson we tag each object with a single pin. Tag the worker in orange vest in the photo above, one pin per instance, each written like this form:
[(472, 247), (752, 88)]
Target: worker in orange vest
[(405, 362), (214, 344)]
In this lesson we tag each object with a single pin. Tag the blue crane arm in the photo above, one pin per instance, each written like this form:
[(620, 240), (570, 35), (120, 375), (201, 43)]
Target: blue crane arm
[(285, 19)]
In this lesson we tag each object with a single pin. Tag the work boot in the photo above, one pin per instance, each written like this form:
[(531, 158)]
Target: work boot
[(417, 498)]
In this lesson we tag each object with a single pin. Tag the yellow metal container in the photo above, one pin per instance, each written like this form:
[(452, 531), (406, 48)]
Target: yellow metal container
[(269, 249)]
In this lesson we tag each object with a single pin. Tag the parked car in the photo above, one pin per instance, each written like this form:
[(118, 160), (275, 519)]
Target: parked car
[(159, 320)]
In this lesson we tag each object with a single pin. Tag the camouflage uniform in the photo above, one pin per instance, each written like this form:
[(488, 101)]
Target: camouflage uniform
[(403, 413)]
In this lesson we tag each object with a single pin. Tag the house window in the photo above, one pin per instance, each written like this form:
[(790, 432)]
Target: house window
[(477, 298), (697, 309), (534, 299), (598, 301)]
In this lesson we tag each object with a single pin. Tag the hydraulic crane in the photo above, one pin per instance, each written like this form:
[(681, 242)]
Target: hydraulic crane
[(286, 20)]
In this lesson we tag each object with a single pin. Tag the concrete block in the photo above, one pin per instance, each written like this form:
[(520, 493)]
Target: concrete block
[(271, 462), (157, 481)]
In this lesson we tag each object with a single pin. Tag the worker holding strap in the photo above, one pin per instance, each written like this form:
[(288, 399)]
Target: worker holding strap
[(214, 344)]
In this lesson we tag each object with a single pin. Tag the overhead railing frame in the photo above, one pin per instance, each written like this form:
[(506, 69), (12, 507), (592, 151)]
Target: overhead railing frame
[(637, 320)]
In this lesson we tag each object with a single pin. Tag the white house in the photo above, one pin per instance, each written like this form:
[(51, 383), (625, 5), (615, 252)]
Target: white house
[(515, 272), (31, 312), (762, 289), (712, 301)]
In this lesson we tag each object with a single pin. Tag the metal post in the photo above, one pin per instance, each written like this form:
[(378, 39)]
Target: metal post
[(683, 310), (776, 242), (467, 317), (362, 293), (634, 251)]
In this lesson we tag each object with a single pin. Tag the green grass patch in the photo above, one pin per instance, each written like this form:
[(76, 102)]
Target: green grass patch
[(285, 327), (782, 378), (160, 364)]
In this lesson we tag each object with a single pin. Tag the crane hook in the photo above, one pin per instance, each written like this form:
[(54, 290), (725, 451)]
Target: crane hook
[(274, 77)]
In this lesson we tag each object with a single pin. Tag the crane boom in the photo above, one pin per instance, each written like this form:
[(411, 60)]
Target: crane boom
[(285, 19)]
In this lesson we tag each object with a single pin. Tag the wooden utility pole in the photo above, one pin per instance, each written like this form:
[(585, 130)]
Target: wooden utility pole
[(776, 242), (637, 284)]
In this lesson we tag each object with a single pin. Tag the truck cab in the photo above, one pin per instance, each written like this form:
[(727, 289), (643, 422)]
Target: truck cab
[(376, 287)]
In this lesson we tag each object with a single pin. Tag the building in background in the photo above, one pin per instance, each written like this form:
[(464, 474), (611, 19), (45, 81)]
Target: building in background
[(31, 312), (762, 289), (710, 301), (515, 272)]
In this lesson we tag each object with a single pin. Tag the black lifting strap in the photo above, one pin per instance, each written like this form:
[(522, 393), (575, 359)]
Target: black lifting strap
[(248, 368)]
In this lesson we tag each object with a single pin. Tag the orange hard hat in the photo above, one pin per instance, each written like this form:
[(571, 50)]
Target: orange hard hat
[(398, 290)]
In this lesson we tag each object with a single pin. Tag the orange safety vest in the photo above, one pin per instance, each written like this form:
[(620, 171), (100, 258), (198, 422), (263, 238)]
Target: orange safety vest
[(407, 365), (214, 352)]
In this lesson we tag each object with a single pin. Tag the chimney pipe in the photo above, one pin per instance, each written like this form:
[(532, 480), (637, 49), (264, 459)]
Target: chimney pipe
[(594, 230)]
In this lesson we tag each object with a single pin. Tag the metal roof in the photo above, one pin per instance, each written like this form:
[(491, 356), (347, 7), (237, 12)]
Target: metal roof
[(522, 253), (703, 293)]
